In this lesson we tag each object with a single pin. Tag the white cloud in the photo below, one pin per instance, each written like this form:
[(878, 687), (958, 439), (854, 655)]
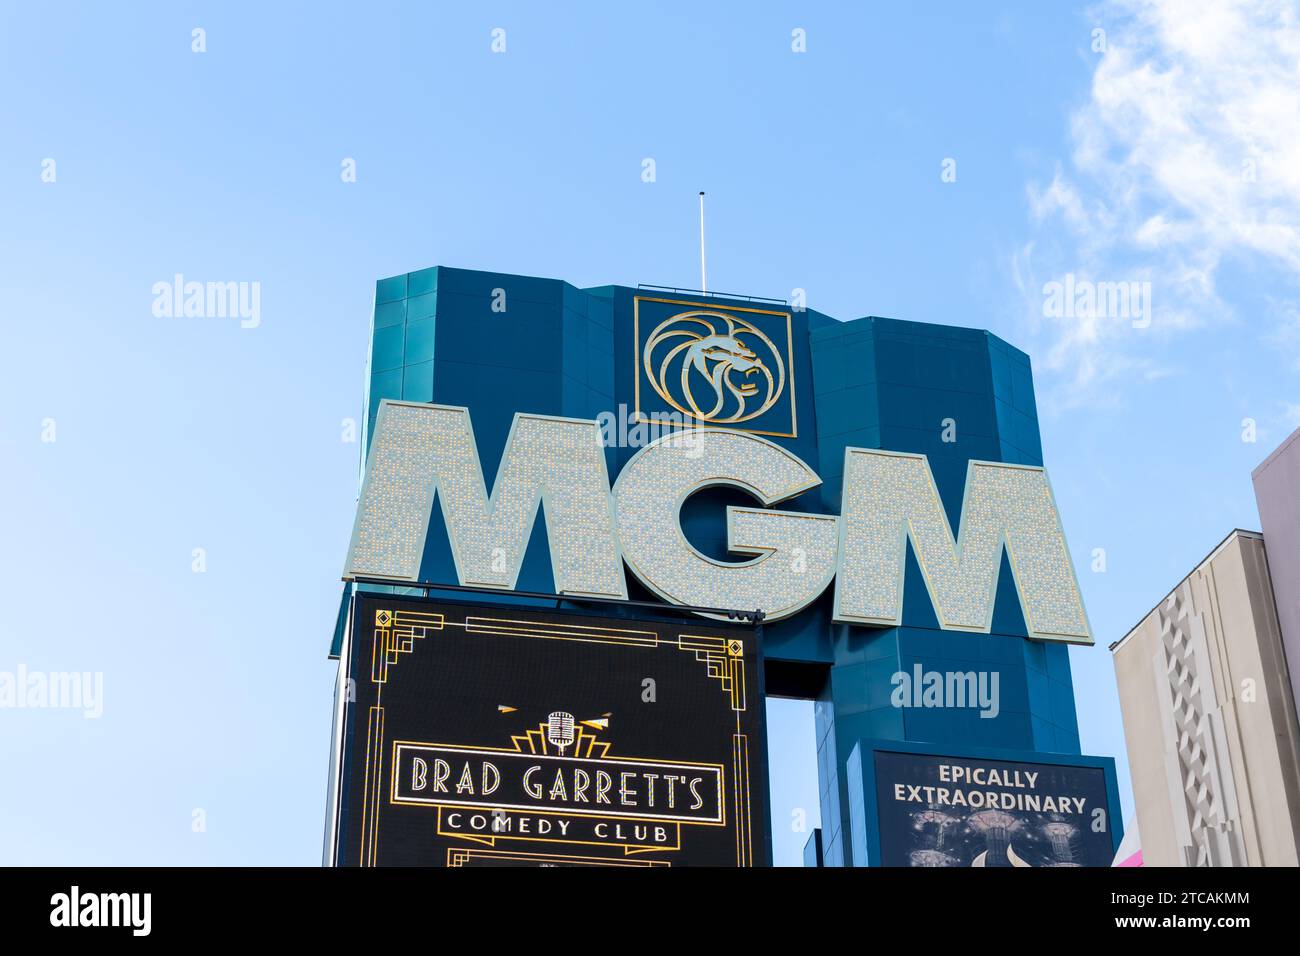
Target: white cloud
[(1186, 154)]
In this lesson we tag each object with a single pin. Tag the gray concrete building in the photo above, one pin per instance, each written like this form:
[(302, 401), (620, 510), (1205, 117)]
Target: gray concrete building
[(1209, 715), (1277, 493)]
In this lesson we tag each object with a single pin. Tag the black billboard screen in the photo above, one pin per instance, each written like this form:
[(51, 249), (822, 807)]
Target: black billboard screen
[(961, 811), (502, 735)]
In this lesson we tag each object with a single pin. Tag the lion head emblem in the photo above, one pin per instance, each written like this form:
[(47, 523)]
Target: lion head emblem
[(714, 367)]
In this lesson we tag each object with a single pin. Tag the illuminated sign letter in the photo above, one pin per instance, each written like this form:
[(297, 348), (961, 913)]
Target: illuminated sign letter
[(796, 552), (419, 449), (890, 497)]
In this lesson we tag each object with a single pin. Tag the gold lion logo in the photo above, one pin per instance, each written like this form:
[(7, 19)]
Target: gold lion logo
[(699, 363)]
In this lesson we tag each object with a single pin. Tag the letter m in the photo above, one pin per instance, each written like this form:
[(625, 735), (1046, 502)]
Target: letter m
[(890, 498), (1113, 299), (422, 451)]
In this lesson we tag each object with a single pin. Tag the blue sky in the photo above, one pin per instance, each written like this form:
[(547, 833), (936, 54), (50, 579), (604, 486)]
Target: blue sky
[(1170, 157)]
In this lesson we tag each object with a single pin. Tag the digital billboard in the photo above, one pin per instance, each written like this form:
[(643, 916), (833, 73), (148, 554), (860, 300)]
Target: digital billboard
[(503, 735), (935, 810)]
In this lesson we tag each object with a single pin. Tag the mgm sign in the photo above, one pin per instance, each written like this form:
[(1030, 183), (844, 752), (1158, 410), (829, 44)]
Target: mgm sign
[(425, 452), (611, 713)]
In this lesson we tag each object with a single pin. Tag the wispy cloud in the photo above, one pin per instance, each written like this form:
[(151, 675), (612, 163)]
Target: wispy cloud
[(1186, 154)]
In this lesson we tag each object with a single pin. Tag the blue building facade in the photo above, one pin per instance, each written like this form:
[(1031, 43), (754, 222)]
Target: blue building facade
[(500, 344)]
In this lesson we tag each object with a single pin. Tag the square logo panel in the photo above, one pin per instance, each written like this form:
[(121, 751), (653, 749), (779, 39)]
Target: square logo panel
[(701, 364)]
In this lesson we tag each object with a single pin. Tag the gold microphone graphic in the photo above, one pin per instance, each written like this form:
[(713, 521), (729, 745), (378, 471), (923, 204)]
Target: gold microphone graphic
[(559, 730)]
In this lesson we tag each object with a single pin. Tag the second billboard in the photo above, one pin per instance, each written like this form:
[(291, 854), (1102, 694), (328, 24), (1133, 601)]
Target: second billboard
[(493, 734)]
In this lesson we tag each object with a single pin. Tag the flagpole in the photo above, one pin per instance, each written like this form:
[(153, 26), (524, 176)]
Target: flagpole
[(704, 284)]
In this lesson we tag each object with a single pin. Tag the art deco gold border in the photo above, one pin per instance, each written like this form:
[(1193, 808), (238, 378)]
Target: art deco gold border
[(638, 416), (396, 633), (460, 856)]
